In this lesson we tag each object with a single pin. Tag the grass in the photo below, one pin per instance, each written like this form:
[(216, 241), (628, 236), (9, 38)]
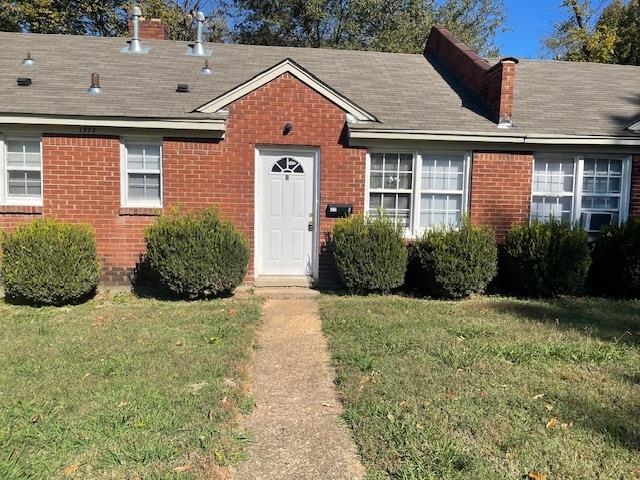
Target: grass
[(122, 387), (489, 388)]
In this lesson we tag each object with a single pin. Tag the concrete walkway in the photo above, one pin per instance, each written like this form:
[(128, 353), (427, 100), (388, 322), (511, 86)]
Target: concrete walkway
[(297, 433)]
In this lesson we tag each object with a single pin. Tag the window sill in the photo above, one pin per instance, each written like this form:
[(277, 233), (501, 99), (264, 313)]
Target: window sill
[(140, 211), (20, 209)]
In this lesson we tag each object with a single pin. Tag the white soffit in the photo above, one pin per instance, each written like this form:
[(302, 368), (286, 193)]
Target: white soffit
[(287, 66)]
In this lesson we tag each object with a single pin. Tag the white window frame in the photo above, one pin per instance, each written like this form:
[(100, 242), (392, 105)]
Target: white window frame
[(415, 230), (578, 174), (25, 200), (124, 174)]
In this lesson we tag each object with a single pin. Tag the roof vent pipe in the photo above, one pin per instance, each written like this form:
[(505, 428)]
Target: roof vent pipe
[(28, 60), (197, 49), (95, 87), (134, 45), (206, 70)]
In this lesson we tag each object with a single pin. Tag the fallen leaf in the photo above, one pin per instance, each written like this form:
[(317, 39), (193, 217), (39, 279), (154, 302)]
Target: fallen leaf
[(70, 470), (537, 397), (549, 407), (553, 423), (182, 469), (483, 394), (179, 343), (450, 395), (536, 476)]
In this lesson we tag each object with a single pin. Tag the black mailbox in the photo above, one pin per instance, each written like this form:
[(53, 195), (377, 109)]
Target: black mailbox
[(339, 211)]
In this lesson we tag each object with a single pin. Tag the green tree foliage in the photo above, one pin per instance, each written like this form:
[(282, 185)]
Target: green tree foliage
[(110, 17), (611, 37), (80, 17), (394, 25)]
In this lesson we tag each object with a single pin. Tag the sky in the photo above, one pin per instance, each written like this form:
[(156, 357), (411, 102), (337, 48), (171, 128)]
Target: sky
[(529, 21)]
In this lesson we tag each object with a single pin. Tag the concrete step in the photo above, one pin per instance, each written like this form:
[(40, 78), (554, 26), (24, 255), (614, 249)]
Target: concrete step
[(285, 292)]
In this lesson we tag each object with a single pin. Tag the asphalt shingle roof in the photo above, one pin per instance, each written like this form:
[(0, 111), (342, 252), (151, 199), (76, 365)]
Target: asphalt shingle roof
[(402, 91)]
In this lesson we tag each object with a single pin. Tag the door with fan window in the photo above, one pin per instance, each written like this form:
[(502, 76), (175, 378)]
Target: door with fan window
[(285, 207)]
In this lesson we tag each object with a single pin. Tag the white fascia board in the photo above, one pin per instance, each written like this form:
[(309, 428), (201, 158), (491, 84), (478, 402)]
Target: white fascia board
[(138, 123), (514, 138), (287, 66)]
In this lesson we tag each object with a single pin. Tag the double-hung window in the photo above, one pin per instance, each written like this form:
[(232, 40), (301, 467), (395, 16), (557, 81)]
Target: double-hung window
[(22, 171), (590, 189), (421, 190), (390, 186), (142, 174)]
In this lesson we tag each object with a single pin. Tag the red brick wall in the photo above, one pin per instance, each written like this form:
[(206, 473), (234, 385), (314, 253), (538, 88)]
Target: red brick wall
[(81, 174), (634, 201), (258, 120), (501, 189)]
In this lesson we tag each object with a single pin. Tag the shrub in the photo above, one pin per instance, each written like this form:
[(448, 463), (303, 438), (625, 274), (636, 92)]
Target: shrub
[(196, 255), (46, 262), (616, 261), (546, 259), (455, 263), (370, 253)]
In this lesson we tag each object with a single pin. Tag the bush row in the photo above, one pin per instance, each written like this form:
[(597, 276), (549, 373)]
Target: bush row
[(200, 255), (196, 255), (541, 259)]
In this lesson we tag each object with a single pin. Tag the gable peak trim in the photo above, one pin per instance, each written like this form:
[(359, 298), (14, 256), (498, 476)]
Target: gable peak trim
[(306, 77)]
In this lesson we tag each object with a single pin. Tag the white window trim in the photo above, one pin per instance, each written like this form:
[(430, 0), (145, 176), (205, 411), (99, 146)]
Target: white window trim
[(29, 201), (578, 172), (125, 201), (414, 230)]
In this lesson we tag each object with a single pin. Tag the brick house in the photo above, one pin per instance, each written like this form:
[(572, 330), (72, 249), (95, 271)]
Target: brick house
[(110, 132)]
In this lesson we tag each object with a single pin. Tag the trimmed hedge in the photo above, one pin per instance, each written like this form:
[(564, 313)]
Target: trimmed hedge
[(370, 253), (46, 262), (615, 270), (455, 263), (547, 259), (196, 255)]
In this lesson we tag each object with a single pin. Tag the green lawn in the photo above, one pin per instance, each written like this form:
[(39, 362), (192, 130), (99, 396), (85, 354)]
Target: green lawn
[(123, 388), (489, 388)]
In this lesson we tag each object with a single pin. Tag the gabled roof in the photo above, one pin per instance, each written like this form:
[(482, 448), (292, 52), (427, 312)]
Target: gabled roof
[(291, 67), (402, 92)]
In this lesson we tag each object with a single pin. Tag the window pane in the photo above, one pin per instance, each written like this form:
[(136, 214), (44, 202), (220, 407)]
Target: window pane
[(440, 210), (442, 172), (375, 201), (376, 161), (544, 208), (152, 157), (406, 162), (21, 183), (404, 181), (375, 180), (144, 186), (23, 153)]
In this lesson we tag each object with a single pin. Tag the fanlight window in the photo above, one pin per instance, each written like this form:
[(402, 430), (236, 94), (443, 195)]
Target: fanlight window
[(287, 165)]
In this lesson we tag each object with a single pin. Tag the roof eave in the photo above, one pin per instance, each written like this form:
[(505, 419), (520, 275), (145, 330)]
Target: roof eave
[(491, 137), (213, 125)]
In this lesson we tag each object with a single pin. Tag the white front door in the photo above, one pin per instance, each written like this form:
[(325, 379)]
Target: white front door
[(285, 212)]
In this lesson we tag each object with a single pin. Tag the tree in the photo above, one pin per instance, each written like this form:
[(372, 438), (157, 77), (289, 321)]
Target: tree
[(110, 17), (178, 17), (611, 37), (392, 25), (80, 17)]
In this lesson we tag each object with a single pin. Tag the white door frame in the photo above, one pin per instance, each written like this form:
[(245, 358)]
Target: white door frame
[(258, 210)]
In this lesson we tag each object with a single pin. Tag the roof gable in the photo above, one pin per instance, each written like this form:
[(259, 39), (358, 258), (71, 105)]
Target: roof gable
[(306, 77), (635, 127)]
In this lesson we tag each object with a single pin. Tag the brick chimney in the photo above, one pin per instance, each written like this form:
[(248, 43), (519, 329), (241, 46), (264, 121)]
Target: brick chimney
[(492, 85), (150, 29)]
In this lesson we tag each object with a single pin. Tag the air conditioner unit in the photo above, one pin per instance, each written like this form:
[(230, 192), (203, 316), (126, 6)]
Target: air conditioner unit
[(594, 221)]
